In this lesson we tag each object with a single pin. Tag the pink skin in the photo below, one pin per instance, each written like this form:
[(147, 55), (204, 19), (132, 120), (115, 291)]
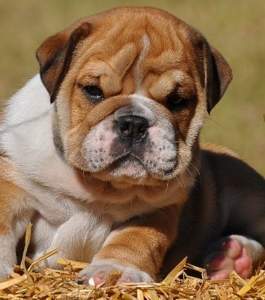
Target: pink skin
[(233, 256), (99, 278)]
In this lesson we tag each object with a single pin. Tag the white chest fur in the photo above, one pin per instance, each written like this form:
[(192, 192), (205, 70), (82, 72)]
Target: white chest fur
[(55, 193)]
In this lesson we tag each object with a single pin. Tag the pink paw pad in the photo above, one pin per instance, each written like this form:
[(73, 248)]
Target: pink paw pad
[(232, 256)]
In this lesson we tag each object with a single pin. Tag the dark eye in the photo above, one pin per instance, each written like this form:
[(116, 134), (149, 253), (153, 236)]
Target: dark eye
[(175, 102), (94, 93)]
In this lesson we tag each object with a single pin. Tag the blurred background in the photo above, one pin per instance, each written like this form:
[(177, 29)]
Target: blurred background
[(236, 28)]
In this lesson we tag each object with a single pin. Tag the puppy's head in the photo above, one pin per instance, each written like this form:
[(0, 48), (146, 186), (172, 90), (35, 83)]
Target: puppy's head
[(131, 88)]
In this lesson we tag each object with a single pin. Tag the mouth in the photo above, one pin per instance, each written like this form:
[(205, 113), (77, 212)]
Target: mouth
[(128, 165), (135, 161)]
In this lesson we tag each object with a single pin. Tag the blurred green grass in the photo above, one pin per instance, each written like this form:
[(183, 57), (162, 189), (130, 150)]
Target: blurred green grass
[(236, 28)]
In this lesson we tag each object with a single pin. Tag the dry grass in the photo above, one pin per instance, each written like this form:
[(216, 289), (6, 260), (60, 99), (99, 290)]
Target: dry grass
[(36, 282), (236, 28)]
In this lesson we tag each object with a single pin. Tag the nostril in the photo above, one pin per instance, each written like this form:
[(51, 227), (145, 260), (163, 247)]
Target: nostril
[(125, 127)]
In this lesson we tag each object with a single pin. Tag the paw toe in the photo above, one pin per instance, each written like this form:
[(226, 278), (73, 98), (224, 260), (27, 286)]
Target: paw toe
[(232, 256), (99, 273)]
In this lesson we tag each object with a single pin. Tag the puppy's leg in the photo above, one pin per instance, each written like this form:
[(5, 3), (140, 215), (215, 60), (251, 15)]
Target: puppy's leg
[(43, 234), (136, 250), (8, 258), (234, 253), (241, 209), (79, 238), (14, 217)]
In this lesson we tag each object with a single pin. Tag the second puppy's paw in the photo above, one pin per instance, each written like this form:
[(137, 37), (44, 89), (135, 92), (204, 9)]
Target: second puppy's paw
[(99, 271)]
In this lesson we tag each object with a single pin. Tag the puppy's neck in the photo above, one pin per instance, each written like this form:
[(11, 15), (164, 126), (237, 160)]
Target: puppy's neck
[(159, 195)]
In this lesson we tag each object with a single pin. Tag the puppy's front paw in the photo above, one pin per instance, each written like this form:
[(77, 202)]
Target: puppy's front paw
[(100, 270)]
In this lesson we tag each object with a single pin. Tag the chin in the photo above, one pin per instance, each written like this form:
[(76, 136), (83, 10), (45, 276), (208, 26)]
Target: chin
[(127, 172)]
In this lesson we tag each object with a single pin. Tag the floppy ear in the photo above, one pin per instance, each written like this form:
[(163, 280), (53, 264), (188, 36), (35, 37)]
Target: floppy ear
[(214, 71), (218, 75), (55, 56)]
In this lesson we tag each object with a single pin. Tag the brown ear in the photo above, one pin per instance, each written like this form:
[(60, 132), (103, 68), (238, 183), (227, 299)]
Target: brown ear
[(55, 56), (218, 76), (214, 72)]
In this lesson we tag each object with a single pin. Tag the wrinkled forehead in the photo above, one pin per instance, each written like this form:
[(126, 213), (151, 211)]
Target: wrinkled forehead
[(139, 46)]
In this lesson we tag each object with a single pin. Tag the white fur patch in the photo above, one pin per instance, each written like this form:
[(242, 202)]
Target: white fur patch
[(79, 238), (8, 243), (107, 266), (7, 254), (254, 248), (138, 75)]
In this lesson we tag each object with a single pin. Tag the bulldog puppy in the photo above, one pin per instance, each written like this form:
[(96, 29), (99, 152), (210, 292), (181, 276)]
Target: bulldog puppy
[(101, 152)]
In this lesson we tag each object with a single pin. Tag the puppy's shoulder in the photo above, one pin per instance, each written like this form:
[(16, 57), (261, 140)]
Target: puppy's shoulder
[(228, 168), (27, 103), (218, 150)]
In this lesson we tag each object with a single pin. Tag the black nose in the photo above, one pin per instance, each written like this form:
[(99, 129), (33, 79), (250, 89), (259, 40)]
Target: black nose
[(132, 127)]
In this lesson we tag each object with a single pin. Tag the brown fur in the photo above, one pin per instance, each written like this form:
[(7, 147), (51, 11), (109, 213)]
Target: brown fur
[(103, 50), (11, 197), (144, 243)]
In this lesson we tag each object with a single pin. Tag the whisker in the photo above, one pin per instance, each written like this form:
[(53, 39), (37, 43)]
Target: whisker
[(167, 184)]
